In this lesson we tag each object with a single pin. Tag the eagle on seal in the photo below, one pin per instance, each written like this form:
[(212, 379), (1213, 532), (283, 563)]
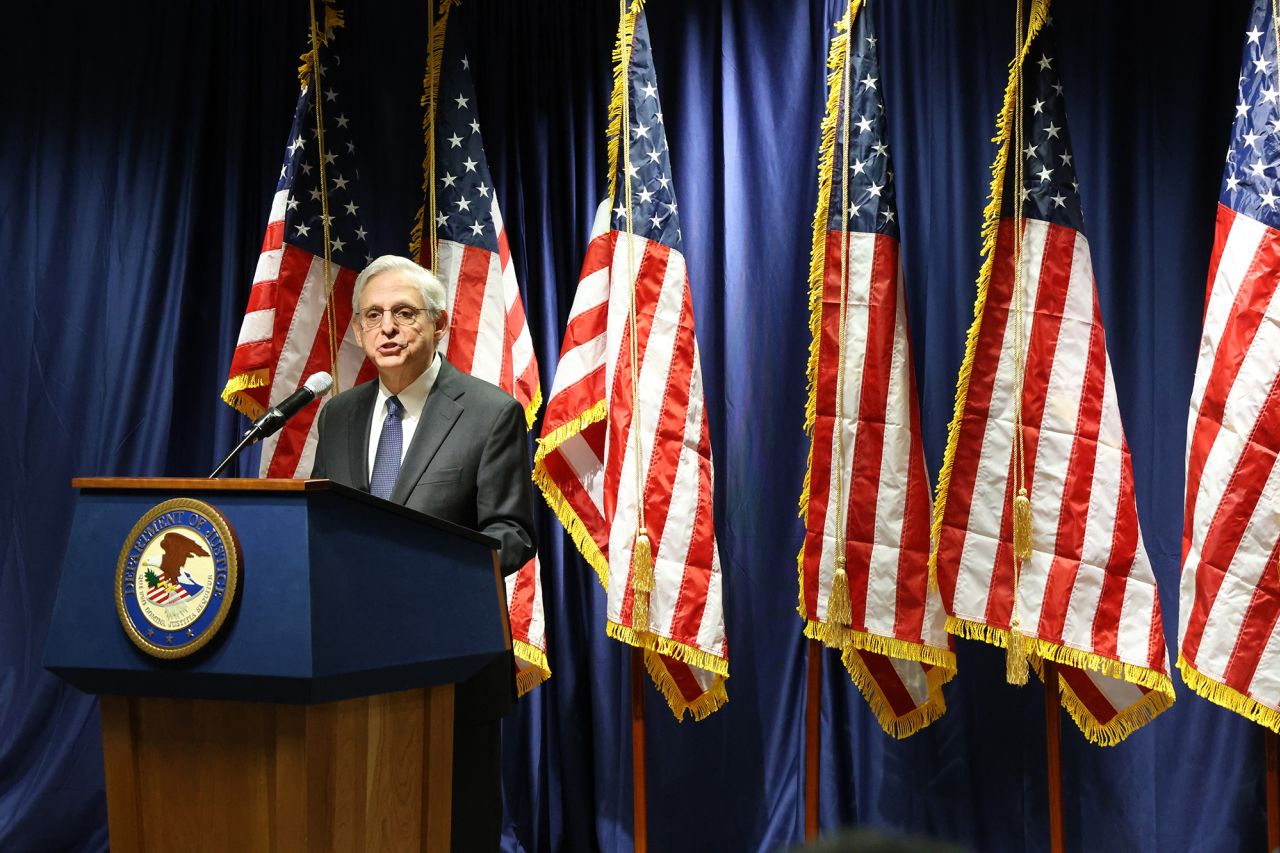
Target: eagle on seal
[(177, 550)]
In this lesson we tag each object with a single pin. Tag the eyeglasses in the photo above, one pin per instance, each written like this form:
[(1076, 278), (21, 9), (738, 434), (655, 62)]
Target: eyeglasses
[(401, 315)]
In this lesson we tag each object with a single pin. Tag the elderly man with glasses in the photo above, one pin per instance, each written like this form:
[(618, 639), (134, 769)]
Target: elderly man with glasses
[(437, 440)]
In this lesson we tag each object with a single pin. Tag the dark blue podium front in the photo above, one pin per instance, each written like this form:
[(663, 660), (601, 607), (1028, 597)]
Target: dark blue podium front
[(342, 595)]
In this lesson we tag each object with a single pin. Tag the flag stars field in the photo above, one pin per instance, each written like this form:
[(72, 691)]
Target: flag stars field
[(304, 218), (871, 198), (1050, 184), (1250, 176)]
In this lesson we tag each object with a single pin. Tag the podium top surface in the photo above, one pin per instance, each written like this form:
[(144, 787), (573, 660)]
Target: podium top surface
[(268, 484), (200, 484)]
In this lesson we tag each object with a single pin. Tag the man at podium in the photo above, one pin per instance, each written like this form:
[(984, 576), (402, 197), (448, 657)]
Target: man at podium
[(437, 440)]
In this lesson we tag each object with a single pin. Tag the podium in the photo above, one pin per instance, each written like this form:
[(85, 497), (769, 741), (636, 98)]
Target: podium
[(320, 714)]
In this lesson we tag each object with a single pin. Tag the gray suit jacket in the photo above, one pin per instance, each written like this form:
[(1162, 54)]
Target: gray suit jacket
[(468, 462)]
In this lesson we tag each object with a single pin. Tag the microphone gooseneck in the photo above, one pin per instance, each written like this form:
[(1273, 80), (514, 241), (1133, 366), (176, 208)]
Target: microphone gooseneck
[(275, 417)]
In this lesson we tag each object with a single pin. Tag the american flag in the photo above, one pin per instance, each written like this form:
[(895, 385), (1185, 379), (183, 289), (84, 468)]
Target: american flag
[(165, 590), (295, 323), (1229, 599), (1087, 596), (866, 460), (586, 463), (487, 335)]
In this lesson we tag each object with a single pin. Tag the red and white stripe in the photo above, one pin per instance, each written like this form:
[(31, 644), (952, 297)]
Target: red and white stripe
[(284, 338), (586, 465), (884, 483), (1230, 590), (165, 591), (488, 337), (1088, 591)]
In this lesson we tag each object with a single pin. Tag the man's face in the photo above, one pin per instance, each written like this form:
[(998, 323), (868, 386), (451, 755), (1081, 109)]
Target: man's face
[(400, 351)]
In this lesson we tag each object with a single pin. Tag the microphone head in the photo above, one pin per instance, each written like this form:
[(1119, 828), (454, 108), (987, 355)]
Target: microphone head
[(319, 383)]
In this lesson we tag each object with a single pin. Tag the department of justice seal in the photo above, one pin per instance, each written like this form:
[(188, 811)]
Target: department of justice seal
[(177, 577)]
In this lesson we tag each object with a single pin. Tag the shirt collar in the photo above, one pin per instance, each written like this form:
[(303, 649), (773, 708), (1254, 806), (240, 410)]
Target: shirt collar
[(413, 397)]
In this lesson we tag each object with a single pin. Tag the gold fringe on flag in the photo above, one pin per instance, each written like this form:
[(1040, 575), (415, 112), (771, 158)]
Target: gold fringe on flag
[(333, 19), (1159, 699), (244, 404), (683, 652), (555, 499), (531, 410), (1228, 697), (700, 708), (1122, 725), (621, 63), (538, 670), (845, 639), (915, 719), (429, 101)]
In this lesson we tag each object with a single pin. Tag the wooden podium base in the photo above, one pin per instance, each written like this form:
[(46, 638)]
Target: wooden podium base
[(363, 774)]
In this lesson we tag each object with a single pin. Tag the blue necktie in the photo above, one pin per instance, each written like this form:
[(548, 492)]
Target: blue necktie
[(386, 465)]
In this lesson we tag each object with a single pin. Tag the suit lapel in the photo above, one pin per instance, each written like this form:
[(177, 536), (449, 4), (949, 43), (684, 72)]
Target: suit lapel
[(441, 412), (358, 438)]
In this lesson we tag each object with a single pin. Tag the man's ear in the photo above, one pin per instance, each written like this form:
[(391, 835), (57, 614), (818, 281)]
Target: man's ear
[(442, 324)]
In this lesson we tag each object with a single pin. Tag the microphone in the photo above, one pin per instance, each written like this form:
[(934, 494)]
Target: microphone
[(274, 418)]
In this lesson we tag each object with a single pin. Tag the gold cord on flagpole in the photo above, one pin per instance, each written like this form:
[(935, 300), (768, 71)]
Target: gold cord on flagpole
[(317, 98), (1016, 658), (433, 99), (1275, 30), (642, 554), (839, 608), (424, 241)]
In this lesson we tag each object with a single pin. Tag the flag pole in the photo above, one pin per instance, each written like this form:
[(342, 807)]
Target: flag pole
[(812, 741), (1273, 788), (1053, 746), (640, 822)]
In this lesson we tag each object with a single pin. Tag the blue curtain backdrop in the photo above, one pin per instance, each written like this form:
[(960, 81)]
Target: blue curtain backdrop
[(139, 149)]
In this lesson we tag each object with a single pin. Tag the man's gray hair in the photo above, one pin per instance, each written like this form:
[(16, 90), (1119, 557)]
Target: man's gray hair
[(431, 288)]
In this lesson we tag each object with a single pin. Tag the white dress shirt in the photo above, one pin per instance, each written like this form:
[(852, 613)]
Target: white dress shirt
[(413, 399)]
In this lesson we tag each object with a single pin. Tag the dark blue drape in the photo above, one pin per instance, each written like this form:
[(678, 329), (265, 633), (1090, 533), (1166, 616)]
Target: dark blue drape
[(138, 152)]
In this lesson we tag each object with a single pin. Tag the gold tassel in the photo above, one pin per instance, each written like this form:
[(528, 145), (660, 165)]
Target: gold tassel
[(639, 611), (641, 581), (838, 608), (1022, 525), (1015, 662), (643, 562)]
